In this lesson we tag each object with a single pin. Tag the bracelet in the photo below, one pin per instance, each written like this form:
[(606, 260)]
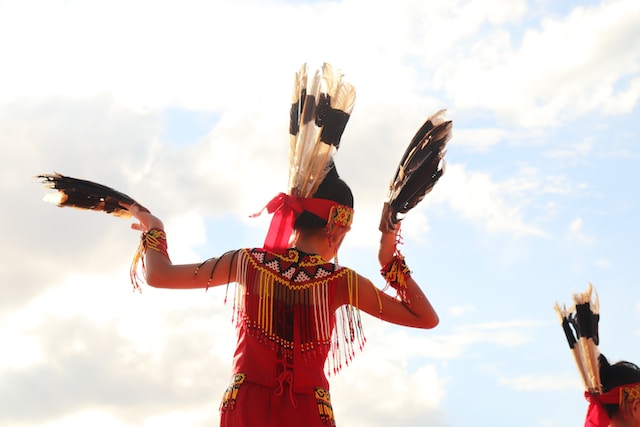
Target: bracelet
[(213, 269), (396, 272), (154, 239)]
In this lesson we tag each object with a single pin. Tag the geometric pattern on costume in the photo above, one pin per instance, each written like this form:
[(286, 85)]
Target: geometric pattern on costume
[(231, 393), (323, 398), (299, 271), (293, 280), (629, 393)]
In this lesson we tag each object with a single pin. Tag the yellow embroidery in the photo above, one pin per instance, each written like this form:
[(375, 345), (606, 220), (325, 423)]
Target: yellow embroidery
[(629, 394), (292, 256), (323, 399), (156, 240), (273, 288), (231, 393), (340, 215)]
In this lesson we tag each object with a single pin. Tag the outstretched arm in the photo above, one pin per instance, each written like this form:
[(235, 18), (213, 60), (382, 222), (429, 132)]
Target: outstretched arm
[(416, 311), (160, 272)]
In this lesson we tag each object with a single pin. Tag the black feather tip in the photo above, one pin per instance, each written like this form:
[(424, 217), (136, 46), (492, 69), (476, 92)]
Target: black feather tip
[(86, 195), (420, 168)]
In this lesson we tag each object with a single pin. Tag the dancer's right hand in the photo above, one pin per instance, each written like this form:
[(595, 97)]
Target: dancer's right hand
[(146, 220)]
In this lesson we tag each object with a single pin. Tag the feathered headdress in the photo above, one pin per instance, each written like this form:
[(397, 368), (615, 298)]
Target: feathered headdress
[(320, 109), (86, 195), (420, 168), (580, 325)]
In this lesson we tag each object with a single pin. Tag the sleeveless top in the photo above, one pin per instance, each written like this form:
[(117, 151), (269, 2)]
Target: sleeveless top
[(287, 332)]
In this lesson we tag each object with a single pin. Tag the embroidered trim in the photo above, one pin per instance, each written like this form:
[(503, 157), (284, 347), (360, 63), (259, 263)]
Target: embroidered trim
[(340, 215), (323, 399), (154, 239), (282, 295), (294, 271), (396, 273), (231, 393), (629, 393)]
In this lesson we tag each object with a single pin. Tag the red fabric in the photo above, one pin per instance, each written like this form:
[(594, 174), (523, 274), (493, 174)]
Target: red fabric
[(266, 409), (282, 374), (264, 364), (277, 392), (285, 208), (596, 415)]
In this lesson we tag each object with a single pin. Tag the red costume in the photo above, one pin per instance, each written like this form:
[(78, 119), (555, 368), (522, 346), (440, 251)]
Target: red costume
[(621, 395), (286, 332)]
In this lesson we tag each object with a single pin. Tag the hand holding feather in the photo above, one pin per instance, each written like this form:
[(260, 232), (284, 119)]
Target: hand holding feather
[(420, 168), (88, 195), (146, 220)]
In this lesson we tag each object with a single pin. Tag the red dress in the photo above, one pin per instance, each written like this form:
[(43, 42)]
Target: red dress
[(286, 333)]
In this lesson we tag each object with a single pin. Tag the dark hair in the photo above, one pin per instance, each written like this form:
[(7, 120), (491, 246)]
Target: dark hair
[(615, 375), (333, 188)]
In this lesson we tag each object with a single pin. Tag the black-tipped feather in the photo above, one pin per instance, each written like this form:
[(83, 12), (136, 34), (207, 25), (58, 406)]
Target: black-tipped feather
[(580, 326), (320, 109), (87, 195), (420, 168)]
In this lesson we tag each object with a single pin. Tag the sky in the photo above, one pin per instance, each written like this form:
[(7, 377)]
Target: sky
[(184, 106)]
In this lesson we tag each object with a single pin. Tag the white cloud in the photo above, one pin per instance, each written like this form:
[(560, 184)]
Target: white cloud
[(461, 309), (576, 230), (590, 49), (93, 417), (603, 263), (542, 383), (580, 150), (352, 388), (567, 67), (476, 197), (479, 139)]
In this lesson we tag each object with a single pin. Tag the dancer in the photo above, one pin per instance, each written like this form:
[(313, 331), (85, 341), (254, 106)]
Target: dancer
[(296, 309), (620, 397), (613, 391)]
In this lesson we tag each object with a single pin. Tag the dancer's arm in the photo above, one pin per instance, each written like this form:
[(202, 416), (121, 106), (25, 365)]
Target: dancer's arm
[(416, 312), (160, 272)]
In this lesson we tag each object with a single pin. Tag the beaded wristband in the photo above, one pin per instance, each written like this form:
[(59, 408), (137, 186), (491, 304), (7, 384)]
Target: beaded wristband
[(154, 239), (396, 272)]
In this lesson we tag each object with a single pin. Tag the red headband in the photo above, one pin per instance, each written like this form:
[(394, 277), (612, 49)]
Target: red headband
[(285, 209), (620, 395)]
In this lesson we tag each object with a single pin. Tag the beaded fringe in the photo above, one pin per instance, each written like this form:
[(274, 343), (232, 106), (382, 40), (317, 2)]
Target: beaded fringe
[(154, 239), (269, 309)]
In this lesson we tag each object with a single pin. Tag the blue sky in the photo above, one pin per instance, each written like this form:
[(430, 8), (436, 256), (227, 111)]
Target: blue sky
[(185, 107)]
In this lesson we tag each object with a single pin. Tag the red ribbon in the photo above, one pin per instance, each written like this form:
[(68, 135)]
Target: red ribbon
[(596, 415), (285, 208)]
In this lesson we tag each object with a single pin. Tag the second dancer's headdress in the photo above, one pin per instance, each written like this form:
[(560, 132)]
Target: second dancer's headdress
[(580, 325)]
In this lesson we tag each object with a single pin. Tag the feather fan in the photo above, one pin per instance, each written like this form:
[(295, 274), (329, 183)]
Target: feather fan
[(86, 195), (420, 168), (320, 109), (580, 326)]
